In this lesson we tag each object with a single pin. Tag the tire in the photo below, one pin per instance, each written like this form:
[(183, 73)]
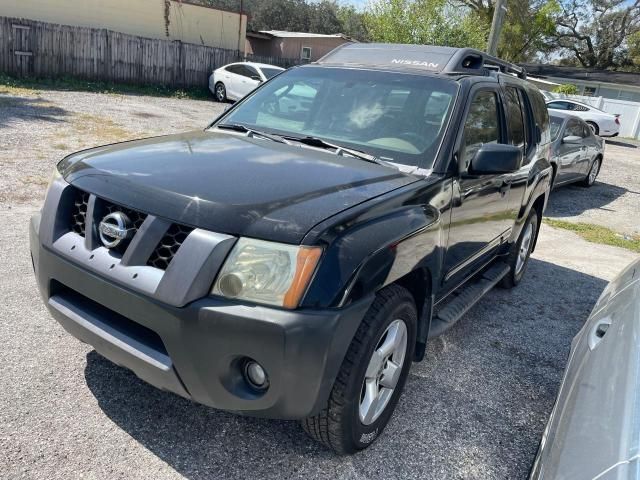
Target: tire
[(594, 127), (520, 252), (220, 92), (590, 179), (340, 424)]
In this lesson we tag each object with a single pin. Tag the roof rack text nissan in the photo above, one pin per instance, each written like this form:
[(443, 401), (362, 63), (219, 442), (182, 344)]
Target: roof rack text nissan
[(294, 258)]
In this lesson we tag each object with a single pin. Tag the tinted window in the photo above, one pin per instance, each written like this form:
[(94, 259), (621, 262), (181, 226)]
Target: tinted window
[(556, 123), (515, 117), (244, 70), (234, 69), (481, 125), (399, 118), (573, 129), (559, 105), (540, 113), (270, 72), (586, 131)]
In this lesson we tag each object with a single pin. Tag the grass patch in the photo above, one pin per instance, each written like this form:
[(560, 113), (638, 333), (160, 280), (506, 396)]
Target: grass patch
[(597, 234), (61, 146), (33, 86)]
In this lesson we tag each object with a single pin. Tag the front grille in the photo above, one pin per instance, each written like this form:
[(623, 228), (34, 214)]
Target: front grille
[(164, 251), (137, 218), (79, 212), (168, 246)]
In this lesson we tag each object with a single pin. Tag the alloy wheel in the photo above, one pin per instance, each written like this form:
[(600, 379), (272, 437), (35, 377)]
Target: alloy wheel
[(525, 246), (383, 372), (593, 173)]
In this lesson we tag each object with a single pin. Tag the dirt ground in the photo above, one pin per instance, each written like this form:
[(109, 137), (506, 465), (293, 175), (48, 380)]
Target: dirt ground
[(474, 409)]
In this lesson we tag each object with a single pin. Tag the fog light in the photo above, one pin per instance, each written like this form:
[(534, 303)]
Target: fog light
[(255, 375)]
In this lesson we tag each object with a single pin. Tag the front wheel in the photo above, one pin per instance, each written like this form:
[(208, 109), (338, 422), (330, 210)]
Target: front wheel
[(518, 258), (593, 173), (594, 127), (372, 375), (221, 92)]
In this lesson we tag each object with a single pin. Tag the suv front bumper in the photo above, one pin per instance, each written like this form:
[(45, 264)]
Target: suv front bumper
[(197, 350)]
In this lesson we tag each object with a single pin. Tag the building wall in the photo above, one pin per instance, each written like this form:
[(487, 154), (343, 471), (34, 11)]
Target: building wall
[(291, 47), (145, 18)]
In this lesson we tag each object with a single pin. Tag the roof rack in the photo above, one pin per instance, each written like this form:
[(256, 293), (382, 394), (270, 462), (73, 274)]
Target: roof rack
[(446, 60)]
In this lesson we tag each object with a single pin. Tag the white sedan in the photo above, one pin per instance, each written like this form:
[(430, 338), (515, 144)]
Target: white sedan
[(234, 81), (602, 123)]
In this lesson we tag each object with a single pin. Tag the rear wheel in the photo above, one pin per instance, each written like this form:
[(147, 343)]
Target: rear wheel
[(518, 258), (372, 375), (221, 92), (590, 179), (594, 127)]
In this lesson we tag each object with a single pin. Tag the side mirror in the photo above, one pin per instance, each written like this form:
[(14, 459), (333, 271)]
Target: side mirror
[(495, 158), (572, 139), (256, 78)]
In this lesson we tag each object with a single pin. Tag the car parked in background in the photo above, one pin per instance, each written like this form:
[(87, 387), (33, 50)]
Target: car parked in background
[(594, 428), (234, 81), (601, 123), (576, 153)]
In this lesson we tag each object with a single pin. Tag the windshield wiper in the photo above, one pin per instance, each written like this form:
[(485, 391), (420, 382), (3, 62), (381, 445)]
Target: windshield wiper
[(339, 150), (238, 127)]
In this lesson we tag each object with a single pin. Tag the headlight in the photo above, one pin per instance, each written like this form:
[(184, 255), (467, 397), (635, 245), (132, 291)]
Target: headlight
[(267, 272)]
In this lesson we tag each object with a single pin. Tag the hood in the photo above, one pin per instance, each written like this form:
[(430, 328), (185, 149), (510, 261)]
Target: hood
[(230, 183)]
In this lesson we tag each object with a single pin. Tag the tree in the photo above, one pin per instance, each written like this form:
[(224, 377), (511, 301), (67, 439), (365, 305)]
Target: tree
[(430, 22), (324, 18), (597, 32), (527, 25), (567, 89), (353, 23), (290, 15)]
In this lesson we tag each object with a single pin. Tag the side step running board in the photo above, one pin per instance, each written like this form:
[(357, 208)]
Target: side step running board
[(466, 297)]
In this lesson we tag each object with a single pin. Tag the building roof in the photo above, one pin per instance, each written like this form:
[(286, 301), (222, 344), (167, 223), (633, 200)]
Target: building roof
[(283, 34), (583, 74)]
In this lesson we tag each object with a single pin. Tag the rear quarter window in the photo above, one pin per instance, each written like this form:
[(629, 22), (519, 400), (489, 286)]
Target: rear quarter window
[(540, 114)]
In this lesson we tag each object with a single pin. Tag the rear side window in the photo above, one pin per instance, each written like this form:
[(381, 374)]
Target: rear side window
[(481, 126), (540, 114), (516, 118), (559, 105)]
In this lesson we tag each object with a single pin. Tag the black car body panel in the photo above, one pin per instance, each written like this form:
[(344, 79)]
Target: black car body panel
[(430, 226), (230, 183)]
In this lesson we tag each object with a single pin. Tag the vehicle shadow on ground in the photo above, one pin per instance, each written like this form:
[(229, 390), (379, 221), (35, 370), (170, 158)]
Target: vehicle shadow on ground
[(572, 200), (620, 143), (476, 408), (28, 108)]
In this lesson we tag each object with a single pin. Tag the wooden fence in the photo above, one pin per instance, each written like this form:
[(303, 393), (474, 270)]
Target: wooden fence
[(30, 48)]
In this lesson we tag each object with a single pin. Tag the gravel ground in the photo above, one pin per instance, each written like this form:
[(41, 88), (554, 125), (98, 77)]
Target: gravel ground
[(474, 409)]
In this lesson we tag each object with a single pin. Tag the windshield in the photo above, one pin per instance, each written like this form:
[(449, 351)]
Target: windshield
[(270, 72), (555, 124), (396, 117)]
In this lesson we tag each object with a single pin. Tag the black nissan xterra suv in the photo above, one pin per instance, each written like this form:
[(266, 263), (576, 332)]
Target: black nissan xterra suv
[(293, 259)]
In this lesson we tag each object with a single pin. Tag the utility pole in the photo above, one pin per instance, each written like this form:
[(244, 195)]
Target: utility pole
[(241, 49), (496, 26)]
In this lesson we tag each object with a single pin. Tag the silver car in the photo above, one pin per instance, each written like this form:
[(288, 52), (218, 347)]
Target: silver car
[(594, 429), (576, 153)]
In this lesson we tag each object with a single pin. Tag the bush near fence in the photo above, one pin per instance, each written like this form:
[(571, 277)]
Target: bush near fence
[(30, 48)]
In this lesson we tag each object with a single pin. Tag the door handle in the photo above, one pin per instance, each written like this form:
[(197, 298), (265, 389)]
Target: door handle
[(504, 188)]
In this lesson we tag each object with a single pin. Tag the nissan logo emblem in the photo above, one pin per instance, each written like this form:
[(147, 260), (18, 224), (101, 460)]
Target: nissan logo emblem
[(114, 229)]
